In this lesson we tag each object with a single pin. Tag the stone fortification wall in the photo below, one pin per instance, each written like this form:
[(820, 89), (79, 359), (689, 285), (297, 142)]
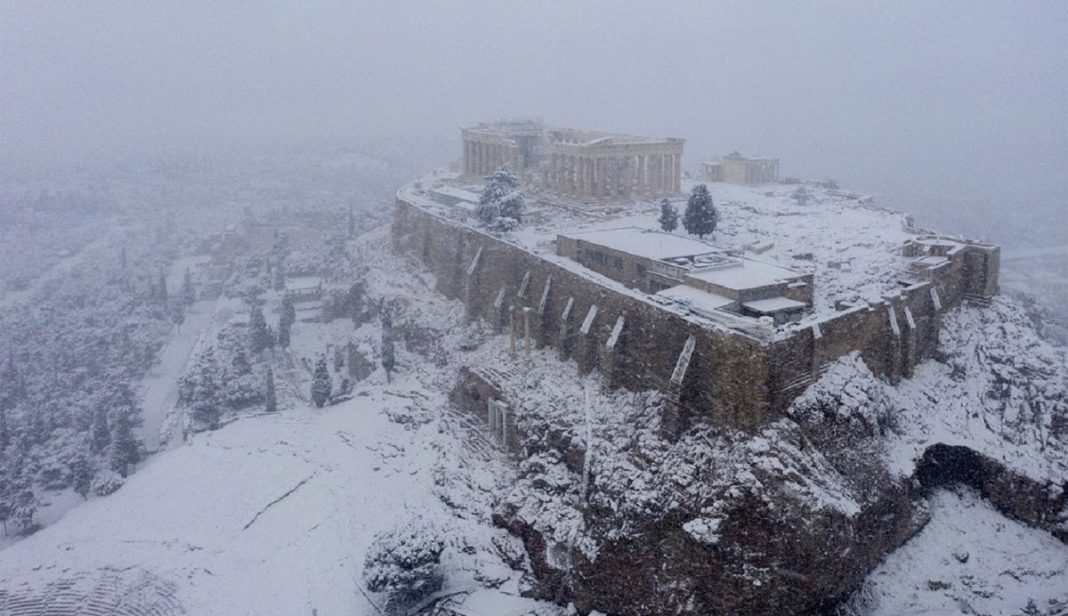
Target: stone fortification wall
[(892, 335), (708, 373), (595, 322)]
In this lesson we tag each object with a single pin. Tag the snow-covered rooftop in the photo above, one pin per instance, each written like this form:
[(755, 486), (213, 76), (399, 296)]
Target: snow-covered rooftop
[(746, 274), (852, 249), (648, 243)]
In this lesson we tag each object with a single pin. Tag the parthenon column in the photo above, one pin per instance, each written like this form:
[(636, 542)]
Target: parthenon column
[(678, 173), (628, 176), (641, 174), (669, 173)]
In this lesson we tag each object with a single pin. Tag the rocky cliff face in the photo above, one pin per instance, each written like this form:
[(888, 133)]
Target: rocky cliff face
[(790, 519)]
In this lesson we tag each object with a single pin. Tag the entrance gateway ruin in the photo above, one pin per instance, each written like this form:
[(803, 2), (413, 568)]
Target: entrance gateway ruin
[(581, 164)]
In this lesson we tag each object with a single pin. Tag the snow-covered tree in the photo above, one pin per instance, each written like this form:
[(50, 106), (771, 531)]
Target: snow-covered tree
[(125, 448), (99, 431), (240, 363), (17, 500), (669, 216), (258, 336), (501, 203), (322, 385), (270, 400), (189, 294), (389, 358), (286, 321), (405, 561), (700, 217), (81, 471), (202, 390)]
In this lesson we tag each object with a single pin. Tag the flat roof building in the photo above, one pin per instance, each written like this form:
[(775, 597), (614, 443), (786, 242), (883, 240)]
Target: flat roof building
[(691, 272)]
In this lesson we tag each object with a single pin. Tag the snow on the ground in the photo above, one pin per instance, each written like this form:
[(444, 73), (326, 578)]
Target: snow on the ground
[(272, 514), (969, 559), (159, 388), (853, 248), (999, 390)]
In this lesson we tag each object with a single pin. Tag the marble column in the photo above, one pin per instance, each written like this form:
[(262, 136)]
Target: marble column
[(641, 174), (678, 173), (628, 176)]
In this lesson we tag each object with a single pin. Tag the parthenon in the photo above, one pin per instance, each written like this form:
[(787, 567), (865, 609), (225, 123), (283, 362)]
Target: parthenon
[(587, 165)]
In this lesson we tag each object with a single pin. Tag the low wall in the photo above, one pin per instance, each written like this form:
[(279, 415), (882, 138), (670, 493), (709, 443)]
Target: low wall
[(723, 376)]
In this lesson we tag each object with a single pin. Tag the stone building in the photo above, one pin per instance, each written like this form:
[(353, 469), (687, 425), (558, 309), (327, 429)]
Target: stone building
[(586, 165), (737, 169), (691, 272)]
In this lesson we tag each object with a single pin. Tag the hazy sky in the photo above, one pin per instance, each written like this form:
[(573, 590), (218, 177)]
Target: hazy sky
[(967, 98)]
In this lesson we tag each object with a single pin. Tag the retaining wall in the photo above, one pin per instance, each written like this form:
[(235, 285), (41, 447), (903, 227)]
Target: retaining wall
[(728, 377)]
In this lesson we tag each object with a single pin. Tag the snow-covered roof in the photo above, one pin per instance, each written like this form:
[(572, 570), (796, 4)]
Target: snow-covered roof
[(747, 274), (656, 245), (456, 193), (696, 299)]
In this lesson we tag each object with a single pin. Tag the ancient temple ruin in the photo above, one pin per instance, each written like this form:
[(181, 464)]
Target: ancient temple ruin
[(581, 164)]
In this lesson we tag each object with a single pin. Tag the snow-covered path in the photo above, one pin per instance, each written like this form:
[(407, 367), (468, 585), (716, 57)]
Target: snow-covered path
[(159, 389)]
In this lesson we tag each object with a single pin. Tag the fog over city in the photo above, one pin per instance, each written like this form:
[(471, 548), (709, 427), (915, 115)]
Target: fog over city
[(533, 308), (953, 111)]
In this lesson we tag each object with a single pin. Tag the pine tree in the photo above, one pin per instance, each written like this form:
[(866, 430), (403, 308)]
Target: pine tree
[(669, 216), (17, 500), (502, 198), (389, 358), (701, 217), (258, 338), (269, 395), (206, 395), (240, 362), (82, 475), (125, 448), (321, 383), (189, 294), (100, 432)]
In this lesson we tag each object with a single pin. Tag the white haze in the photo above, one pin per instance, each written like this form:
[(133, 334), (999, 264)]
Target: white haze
[(956, 111)]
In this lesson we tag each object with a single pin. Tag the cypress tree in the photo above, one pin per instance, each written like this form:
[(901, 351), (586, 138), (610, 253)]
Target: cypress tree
[(389, 359), (321, 383), (189, 294), (269, 395), (100, 433), (258, 338), (82, 474), (125, 448), (669, 217)]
